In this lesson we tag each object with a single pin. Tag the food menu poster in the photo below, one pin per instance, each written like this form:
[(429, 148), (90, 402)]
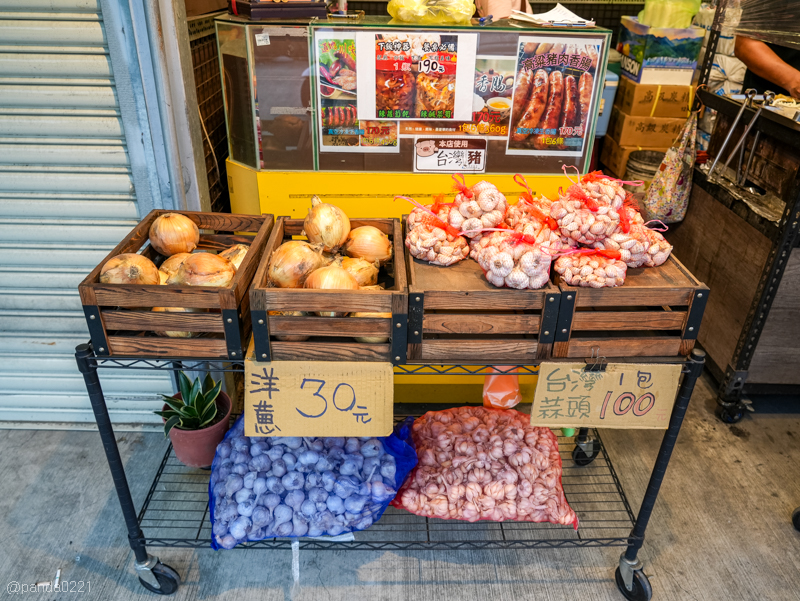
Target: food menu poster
[(338, 91), (491, 104), (415, 76), (554, 88)]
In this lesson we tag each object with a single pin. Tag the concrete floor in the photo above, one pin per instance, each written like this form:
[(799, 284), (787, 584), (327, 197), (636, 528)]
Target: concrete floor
[(721, 528)]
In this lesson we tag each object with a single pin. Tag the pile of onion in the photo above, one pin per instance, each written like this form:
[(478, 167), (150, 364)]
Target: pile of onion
[(173, 233), (365, 273), (326, 224), (129, 268), (204, 269), (368, 243), (235, 254), (173, 333), (170, 265), (372, 339), (332, 277), (291, 263)]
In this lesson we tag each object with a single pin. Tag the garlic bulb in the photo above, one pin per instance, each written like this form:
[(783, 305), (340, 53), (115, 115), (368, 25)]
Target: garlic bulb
[(291, 263), (326, 224), (129, 268), (175, 334), (173, 233), (368, 242), (170, 265), (372, 339), (290, 314), (235, 254), (204, 269), (332, 277), (365, 273)]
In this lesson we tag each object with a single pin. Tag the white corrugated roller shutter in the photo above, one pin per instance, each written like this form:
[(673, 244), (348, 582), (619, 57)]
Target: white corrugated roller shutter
[(66, 199)]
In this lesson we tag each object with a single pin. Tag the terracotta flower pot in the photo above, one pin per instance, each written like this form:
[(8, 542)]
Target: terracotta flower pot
[(196, 448)]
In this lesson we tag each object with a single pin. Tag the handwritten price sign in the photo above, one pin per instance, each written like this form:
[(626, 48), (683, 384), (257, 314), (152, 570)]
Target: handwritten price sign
[(318, 398), (625, 395)]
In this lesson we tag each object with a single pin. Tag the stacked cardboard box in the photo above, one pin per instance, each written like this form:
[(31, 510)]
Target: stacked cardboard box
[(644, 117)]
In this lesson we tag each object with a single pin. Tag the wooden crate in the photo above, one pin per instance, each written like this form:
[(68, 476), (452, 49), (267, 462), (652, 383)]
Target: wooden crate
[(656, 313), (455, 316), (119, 316), (331, 338)]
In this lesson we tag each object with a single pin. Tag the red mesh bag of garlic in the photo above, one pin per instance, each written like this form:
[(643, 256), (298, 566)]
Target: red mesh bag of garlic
[(514, 260), (589, 210), (637, 244), (477, 463), (478, 207), (430, 238), (531, 214), (592, 268)]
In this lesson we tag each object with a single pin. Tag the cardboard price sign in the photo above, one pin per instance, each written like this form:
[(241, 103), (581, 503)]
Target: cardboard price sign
[(625, 395), (318, 398)]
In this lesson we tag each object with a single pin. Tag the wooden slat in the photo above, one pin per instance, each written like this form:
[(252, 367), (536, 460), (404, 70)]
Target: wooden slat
[(517, 300), (487, 323), (260, 278), (348, 301), (125, 295), (325, 351), (628, 320), (477, 352), (128, 346), (159, 322), (400, 271), (659, 346), (328, 326), (244, 275)]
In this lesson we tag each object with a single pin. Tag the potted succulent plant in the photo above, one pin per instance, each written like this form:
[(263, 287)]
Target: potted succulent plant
[(196, 419)]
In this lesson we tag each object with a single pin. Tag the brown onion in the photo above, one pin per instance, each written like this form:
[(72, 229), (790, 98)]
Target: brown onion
[(175, 334), (235, 254), (291, 263), (204, 269), (170, 265), (332, 277), (326, 224), (365, 273), (369, 243), (163, 277), (173, 233), (290, 314), (372, 339), (129, 268)]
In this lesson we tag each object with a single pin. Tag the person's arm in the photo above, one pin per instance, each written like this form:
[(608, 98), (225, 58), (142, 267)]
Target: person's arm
[(762, 61)]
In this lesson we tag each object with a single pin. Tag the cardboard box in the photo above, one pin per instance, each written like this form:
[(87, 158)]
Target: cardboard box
[(644, 131), (659, 55), (653, 100), (615, 157)]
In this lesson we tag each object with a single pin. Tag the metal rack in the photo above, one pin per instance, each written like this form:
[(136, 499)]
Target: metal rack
[(175, 512)]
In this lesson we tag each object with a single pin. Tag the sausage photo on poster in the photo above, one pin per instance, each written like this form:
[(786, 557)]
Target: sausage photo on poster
[(552, 95)]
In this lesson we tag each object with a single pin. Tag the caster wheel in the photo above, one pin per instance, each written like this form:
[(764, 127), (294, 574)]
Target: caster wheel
[(167, 578), (730, 416), (641, 586), (580, 457), (796, 519)]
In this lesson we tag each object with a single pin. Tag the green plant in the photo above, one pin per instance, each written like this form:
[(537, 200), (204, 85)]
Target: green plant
[(196, 408)]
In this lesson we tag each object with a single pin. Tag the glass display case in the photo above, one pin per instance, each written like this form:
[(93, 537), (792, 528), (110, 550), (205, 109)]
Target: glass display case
[(379, 96)]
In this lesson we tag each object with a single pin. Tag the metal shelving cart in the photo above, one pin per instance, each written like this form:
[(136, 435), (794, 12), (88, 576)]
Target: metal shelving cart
[(175, 511)]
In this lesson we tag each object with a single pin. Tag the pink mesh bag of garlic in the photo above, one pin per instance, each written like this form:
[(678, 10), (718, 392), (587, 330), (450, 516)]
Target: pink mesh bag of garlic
[(477, 463)]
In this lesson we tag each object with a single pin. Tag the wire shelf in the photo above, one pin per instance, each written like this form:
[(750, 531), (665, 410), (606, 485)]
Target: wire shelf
[(176, 514)]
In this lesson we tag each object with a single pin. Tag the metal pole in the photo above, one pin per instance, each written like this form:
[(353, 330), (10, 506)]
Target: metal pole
[(84, 355), (695, 368)]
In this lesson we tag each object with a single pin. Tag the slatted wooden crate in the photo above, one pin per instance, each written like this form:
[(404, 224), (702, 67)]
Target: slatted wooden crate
[(455, 316), (331, 338), (656, 313), (119, 316)]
